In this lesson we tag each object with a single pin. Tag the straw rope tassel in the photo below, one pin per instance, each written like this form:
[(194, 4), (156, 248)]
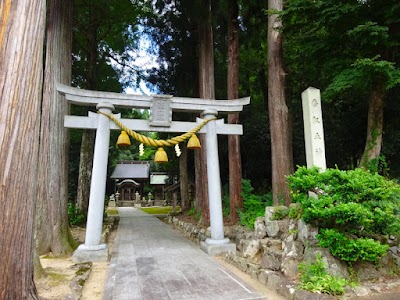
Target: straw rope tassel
[(157, 143)]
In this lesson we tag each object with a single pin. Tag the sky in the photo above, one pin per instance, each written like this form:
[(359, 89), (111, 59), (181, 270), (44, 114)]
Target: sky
[(142, 59)]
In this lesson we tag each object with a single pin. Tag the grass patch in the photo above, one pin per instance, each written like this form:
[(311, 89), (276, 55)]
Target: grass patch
[(112, 211), (159, 210)]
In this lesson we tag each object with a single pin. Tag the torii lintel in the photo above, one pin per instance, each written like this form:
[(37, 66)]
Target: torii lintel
[(92, 98)]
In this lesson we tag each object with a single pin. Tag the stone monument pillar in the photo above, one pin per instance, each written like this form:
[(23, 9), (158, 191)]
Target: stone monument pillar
[(313, 128)]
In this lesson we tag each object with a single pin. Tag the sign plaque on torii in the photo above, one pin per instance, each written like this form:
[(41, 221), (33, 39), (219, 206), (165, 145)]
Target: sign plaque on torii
[(162, 108)]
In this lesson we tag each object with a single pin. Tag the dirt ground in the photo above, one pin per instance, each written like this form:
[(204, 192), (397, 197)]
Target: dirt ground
[(60, 274)]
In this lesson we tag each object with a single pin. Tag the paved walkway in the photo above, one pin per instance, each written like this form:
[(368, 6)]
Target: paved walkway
[(150, 260)]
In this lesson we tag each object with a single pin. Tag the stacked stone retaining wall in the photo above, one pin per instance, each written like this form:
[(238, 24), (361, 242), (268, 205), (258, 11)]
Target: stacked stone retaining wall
[(272, 252)]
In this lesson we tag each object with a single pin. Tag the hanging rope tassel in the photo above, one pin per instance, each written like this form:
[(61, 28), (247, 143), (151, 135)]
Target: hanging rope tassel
[(161, 143), (161, 156), (123, 139), (193, 142)]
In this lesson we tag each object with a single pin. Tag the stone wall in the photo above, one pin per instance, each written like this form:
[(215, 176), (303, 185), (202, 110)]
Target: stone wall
[(272, 252)]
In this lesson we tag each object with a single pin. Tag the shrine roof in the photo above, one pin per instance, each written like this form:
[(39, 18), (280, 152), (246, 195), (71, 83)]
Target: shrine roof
[(128, 181), (132, 170)]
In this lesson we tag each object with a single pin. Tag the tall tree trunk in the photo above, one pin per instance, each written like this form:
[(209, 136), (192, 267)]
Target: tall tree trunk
[(206, 90), (235, 164), (183, 179), (85, 170), (374, 127), (53, 232), (197, 179), (88, 136), (21, 65), (282, 161)]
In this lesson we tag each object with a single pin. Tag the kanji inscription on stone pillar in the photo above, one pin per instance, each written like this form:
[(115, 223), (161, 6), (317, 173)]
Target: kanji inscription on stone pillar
[(313, 128)]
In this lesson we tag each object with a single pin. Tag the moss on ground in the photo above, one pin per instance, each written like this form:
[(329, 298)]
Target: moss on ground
[(56, 278), (82, 270)]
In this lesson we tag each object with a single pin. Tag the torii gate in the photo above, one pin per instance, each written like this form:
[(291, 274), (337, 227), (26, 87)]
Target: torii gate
[(161, 107)]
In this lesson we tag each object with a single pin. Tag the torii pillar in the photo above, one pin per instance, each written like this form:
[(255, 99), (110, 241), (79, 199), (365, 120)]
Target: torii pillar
[(93, 249), (217, 243)]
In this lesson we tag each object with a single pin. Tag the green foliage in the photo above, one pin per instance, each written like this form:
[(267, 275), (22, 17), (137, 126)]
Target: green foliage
[(379, 165), (315, 278), (350, 249), (253, 205), (191, 211), (280, 213), (352, 209), (74, 217), (363, 74), (295, 212), (357, 49)]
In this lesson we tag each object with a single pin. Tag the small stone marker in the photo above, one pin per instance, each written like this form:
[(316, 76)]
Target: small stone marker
[(111, 202), (313, 128), (137, 196)]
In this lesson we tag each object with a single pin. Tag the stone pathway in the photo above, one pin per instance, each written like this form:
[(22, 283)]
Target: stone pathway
[(152, 261)]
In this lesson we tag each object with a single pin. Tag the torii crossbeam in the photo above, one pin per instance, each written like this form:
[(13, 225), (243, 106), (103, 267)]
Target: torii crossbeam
[(162, 107)]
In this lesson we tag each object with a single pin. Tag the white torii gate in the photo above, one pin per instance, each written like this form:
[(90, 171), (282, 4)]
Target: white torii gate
[(161, 107)]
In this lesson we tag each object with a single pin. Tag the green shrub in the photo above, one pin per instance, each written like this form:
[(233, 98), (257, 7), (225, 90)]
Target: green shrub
[(351, 249), (280, 213), (74, 217), (295, 212), (356, 205), (253, 205), (191, 211), (315, 278)]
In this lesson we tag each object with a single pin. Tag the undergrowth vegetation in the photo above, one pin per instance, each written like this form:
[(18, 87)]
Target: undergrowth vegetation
[(253, 205), (74, 216), (315, 278)]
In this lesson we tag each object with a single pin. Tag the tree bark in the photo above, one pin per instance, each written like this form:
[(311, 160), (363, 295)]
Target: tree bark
[(21, 65), (282, 161), (52, 227), (88, 136), (373, 143), (234, 157), (206, 90), (85, 170), (183, 179)]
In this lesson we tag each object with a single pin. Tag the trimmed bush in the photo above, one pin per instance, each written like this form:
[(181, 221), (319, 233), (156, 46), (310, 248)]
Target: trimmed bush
[(356, 210)]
